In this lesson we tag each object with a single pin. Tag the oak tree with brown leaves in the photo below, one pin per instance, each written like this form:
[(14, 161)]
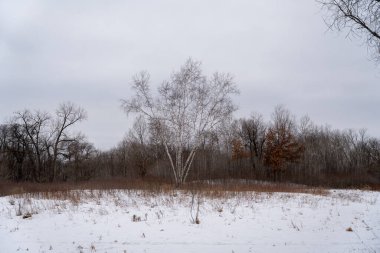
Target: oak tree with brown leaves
[(282, 146)]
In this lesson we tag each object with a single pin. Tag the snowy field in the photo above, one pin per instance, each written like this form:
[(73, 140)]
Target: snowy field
[(125, 221)]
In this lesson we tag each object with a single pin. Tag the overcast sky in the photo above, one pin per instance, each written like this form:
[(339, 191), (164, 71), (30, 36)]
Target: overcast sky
[(280, 52)]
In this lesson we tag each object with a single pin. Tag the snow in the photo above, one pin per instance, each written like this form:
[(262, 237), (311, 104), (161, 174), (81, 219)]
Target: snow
[(102, 221)]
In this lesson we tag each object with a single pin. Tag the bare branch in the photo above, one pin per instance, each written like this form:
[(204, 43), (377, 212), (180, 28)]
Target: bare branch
[(360, 17)]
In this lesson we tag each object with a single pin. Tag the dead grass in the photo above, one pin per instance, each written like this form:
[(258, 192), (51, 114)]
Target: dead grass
[(12, 188), (214, 189), (29, 198), (240, 186)]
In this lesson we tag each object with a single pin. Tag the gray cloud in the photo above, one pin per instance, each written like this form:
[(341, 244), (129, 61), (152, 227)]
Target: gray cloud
[(87, 51)]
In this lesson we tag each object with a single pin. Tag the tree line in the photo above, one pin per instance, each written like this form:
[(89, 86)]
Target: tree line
[(187, 132), (282, 149), (37, 147)]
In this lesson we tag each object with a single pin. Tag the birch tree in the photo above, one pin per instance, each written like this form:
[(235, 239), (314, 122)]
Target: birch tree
[(187, 106)]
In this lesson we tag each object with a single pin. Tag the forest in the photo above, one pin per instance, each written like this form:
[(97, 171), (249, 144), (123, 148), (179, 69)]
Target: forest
[(36, 146)]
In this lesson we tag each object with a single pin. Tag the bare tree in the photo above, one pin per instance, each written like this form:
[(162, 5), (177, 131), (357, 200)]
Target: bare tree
[(360, 17), (14, 147), (253, 131), (140, 151), (67, 115), (34, 126), (187, 106), (374, 156), (78, 153)]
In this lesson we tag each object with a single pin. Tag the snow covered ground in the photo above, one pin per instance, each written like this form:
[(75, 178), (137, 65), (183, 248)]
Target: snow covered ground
[(122, 221)]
